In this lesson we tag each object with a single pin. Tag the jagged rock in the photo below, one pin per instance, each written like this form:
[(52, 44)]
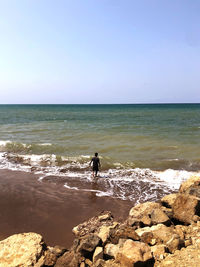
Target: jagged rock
[(161, 234), (98, 254), (52, 254), (88, 263), (22, 250), (179, 229), (168, 200), (123, 231), (69, 259), (167, 211), (133, 252), (93, 224), (185, 207), (99, 263), (192, 182), (104, 231), (88, 243), (141, 214), (159, 251), (111, 250), (186, 257), (158, 216)]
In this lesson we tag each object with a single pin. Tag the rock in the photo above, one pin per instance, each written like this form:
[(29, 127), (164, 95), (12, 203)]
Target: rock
[(112, 263), (185, 207), (111, 250), (98, 254), (123, 231), (159, 251), (140, 215), (158, 216), (22, 250), (161, 234), (88, 243), (69, 259), (88, 263), (99, 263), (133, 252), (179, 229), (93, 224), (168, 200), (186, 257), (52, 254), (104, 231), (192, 182)]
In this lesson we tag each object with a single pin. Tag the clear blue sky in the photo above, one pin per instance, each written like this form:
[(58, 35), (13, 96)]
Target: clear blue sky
[(99, 51)]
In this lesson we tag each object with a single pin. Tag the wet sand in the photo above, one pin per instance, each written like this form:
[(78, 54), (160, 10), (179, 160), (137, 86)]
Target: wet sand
[(47, 208)]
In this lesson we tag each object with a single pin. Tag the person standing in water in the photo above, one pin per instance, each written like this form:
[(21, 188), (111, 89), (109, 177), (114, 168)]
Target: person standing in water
[(95, 164)]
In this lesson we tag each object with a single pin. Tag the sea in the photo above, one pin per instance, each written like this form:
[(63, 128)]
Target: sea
[(146, 150)]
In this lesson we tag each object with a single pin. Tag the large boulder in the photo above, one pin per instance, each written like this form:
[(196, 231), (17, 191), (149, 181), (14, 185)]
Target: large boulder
[(168, 200), (134, 252), (22, 250), (192, 183), (105, 230), (93, 224), (161, 234), (147, 214), (88, 243), (123, 231), (186, 208), (111, 250)]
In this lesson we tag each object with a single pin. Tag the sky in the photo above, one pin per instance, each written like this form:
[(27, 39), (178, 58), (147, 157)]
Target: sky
[(99, 51)]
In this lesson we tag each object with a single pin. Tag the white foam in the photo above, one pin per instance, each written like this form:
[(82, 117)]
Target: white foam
[(4, 143), (71, 187), (174, 178)]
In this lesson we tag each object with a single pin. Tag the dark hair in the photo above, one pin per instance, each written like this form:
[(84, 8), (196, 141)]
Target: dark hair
[(96, 154)]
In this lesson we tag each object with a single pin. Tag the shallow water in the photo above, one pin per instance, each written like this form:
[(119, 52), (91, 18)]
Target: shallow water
[(139, 145)]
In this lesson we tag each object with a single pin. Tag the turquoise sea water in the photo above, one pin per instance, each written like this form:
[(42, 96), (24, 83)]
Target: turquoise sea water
[(146, 151), (158, 137)]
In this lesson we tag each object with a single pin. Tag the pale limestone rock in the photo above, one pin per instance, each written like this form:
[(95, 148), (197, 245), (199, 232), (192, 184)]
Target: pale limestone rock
[(93, 224), (168, 200), (98, 254), (161, 234), (141, 213), (22, 250), (133, 252), (99, 263), (158, 216), (88, 262), (192, 181), (186, 257), (159, 251), (185, 207), (104, 233), (111, 250)]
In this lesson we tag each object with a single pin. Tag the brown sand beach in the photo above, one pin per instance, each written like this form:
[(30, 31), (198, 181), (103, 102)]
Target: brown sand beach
[(47, 208)]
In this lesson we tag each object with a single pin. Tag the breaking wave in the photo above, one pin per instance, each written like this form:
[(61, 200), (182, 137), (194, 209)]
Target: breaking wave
[(116, 180)]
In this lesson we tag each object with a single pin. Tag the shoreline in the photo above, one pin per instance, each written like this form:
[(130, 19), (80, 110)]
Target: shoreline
[(29, 205)]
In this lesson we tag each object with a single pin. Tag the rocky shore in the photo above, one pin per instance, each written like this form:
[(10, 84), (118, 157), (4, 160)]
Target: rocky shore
[(165, 233)]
